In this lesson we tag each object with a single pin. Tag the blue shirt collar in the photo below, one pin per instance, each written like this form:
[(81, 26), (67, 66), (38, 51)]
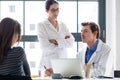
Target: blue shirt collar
[(94, 47), (90, 51)]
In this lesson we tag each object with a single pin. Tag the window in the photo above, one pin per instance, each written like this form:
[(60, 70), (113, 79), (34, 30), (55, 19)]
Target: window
[(72, 13), (32, 27), (12, 8)]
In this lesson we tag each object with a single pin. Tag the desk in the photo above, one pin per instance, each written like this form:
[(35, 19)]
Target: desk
[(77, 79), (49, 78), (74, 79)]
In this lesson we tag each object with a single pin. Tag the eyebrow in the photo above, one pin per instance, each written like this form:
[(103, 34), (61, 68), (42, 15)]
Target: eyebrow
[(84, 29), (54, 8)]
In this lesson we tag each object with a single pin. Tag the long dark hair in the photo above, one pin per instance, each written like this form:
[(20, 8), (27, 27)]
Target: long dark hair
[(8, 28)]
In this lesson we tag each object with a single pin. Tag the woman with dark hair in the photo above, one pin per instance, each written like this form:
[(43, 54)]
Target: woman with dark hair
[(12, 59), (53, 35)]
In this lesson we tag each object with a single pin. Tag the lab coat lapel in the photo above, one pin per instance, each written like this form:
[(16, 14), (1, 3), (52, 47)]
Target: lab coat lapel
[(50, 25), (83, 55), (92, 57), (95, 53)]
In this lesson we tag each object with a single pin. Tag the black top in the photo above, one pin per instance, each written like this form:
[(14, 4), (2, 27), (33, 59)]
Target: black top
[(15, 63)]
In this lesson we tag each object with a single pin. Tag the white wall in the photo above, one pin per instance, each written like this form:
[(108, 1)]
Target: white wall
[(110, 32), (113, 29), (118, 34)]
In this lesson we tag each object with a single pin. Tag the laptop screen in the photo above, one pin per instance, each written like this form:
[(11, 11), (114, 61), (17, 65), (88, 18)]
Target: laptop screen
[(67, 67)]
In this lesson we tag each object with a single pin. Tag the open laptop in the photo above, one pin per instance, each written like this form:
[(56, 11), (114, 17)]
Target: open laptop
[(67, 67)]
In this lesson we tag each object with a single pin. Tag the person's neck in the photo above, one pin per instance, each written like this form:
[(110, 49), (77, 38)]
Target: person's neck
[(53, 22), (91, 43)]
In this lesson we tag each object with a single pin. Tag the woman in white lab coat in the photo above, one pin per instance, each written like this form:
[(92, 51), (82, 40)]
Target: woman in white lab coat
[(96, 53), (53, 35)]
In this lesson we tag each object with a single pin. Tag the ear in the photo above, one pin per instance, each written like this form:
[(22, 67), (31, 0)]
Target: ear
[(46, 10), (95, 33)]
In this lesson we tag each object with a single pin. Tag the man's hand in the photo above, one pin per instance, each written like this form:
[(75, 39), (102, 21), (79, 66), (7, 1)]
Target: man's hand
[(87, 70)]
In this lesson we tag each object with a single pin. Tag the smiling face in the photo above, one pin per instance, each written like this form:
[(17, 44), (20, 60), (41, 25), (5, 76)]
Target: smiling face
[(53, 11)]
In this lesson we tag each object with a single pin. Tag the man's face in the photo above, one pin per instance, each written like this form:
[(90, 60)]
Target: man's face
[(87, 35)]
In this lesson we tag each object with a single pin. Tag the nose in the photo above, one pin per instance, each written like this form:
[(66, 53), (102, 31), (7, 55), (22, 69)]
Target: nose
[(82, 33)]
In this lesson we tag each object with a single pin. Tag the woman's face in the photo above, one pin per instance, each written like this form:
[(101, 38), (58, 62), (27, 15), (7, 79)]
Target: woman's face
[(53, 11)]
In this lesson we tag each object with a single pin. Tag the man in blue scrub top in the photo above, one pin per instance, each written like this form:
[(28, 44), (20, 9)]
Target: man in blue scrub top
[(95, 55)]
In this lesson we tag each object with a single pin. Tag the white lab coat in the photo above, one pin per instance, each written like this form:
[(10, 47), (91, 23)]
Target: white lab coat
[(98, 60), (46, 31)]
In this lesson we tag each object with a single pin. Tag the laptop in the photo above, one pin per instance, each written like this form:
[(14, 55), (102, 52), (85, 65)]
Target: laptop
[(67, 67)]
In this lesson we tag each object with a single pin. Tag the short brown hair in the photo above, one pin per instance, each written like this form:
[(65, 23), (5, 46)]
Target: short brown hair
[(93, 26)]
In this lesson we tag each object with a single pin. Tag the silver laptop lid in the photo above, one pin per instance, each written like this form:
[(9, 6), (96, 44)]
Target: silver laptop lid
[(67, 67)]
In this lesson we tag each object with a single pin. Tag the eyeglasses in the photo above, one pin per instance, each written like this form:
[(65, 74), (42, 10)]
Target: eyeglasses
[(54, 10)]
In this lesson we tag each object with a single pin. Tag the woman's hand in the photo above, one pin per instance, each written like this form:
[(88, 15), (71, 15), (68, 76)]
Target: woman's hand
[(53, 41), (67, 36), (48, 72)]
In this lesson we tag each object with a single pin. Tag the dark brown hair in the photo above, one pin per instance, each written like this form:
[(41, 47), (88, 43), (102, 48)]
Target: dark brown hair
[(93, 26), (8, 27), (49, 3)]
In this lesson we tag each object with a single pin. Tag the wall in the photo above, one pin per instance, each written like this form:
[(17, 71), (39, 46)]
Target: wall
[(117, 34), (113, 29), (110, 32)]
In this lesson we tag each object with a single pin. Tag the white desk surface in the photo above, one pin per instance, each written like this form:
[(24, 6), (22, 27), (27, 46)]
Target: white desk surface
[(74, 79)]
